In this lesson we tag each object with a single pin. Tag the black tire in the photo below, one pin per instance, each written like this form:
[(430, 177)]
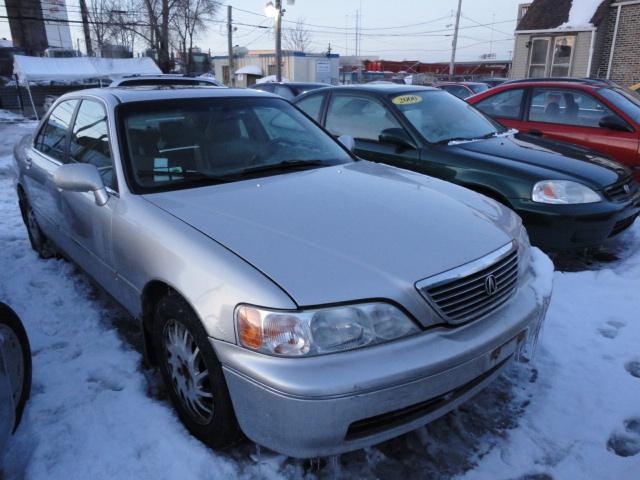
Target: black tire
[(9, 319), (221, 430), (38, 240)]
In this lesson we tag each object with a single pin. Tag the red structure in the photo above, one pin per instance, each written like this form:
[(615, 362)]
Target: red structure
[(486, 68)]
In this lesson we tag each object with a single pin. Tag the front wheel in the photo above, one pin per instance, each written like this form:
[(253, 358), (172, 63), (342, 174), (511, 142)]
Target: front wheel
[(192, 373)]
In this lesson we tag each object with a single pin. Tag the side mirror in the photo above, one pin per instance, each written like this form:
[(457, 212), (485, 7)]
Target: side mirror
[(81, 177), (348, 142), (613, 122), (396, 136)]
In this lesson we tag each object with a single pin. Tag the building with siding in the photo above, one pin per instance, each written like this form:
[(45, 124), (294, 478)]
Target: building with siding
[(578, 38)]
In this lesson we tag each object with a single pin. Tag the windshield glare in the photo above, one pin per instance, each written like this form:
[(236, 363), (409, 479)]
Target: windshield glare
[(176, 144), (441, 117), (626, 100)]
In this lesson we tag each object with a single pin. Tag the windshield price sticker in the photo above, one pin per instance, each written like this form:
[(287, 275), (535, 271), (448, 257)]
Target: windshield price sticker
[(407, 99)]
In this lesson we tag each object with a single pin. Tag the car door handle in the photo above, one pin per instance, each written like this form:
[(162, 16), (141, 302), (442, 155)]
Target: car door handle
[(535, 132)]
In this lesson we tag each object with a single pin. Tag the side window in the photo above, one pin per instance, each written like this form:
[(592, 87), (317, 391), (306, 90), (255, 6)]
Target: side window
[(311, 106), (360, 117), (506, 104), (90, 140), (284, 92), (457, 90), (567, 107), (52, 138)]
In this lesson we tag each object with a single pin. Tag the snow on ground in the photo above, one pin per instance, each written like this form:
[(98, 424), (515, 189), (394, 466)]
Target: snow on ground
[(96, 412)]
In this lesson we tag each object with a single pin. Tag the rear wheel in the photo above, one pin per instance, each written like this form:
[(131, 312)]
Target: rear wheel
[(16, 354), (39, 242), (192, 373)]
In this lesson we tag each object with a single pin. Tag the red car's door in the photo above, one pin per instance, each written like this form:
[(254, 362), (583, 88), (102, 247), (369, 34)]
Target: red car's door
[(574, 116)]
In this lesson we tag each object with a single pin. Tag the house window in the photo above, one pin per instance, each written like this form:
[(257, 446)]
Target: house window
[(551, 56), (539, 55), (562, 54)]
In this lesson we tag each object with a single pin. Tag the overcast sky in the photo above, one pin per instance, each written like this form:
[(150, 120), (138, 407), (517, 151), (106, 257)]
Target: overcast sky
[(427, 36)]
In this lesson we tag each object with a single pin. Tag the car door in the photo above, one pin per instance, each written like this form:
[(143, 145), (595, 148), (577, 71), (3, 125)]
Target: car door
[(506, 107), (574, 116), (365, 118), (46, 154), (87, 224)]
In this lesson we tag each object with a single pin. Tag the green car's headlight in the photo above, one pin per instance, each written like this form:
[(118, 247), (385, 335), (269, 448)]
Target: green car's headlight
[(321, 331), (563, 192)]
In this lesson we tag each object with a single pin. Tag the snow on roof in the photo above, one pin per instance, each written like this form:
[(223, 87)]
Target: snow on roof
[(249, 70), (31, 69), (271, 78), (581, 13), (4, 43)]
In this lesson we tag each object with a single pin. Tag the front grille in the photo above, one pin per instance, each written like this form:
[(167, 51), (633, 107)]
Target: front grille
[(622, 225), (476, 289), (623, 190)]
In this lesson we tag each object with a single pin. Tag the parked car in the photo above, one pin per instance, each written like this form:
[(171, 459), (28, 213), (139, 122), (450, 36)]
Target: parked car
[(462, 89), (167, 79), (270, 268), (288, 90), (15, 374), (596, 114), (568, 197)]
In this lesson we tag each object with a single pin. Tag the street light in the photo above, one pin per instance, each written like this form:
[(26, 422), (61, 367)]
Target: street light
[(270, 10)]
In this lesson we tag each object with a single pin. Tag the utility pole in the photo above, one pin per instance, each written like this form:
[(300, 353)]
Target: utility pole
[(84, 13), (232, 79), (279, 40), (454, 45)]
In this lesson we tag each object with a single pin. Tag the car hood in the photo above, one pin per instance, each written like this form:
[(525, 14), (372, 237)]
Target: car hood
[(563, 160), (345, 233)]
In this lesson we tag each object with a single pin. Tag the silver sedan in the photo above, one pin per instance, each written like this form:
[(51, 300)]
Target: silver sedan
[(316, 302)]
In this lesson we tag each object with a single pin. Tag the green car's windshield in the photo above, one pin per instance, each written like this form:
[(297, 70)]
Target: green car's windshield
[(441, 117), (194, 142)]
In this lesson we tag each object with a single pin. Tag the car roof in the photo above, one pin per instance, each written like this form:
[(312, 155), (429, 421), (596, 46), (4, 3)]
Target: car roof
[(562, 80), (167, 92), (381, 89)]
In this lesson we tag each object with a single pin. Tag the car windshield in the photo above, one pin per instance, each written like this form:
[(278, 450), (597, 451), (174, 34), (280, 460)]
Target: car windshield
[(193, 142), (442, 118), (626, 100)]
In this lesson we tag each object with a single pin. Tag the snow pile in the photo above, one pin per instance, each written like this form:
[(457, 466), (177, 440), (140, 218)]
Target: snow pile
[(271, 79), (581, 13), (96, 412)]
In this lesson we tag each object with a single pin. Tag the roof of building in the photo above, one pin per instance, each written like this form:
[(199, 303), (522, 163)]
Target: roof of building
[(564, 14)]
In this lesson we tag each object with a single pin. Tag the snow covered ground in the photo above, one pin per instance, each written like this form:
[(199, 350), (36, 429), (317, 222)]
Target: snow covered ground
[(97, 413)]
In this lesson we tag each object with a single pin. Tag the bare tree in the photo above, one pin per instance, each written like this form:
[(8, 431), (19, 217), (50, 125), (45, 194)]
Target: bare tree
[(99, 13), (188, 21), (298, 37)]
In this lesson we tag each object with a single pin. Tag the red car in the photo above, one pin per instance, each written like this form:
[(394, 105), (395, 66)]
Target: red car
[(594, 113)]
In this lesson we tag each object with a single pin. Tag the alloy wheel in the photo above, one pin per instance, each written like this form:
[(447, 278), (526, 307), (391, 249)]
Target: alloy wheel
[(188, 372)]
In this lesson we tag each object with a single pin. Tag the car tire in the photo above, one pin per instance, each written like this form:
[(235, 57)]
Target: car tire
[(17, 355), (38, 240), (184, 354)]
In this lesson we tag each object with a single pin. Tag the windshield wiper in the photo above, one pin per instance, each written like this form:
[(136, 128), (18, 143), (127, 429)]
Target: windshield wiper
[(467, 139), (283, 166), (186, 174)]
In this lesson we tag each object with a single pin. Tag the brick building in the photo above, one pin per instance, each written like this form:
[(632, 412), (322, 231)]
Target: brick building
[(578, 38)]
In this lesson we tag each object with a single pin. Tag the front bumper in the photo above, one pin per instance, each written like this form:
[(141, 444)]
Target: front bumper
[(564, 227), (326, 405)]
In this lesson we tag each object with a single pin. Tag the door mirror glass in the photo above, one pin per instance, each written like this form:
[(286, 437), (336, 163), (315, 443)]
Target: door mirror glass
[(613, 122), (348, 142), (396, 136), (81, 177)]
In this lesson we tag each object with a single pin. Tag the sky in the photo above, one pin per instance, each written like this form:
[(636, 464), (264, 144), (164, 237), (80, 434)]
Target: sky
[(406, 29)]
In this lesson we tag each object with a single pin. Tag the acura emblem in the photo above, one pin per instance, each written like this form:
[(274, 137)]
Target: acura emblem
[(490, 285), (626, 188)]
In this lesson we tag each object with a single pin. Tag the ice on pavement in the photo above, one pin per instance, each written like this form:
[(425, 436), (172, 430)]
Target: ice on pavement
[(96, 412)]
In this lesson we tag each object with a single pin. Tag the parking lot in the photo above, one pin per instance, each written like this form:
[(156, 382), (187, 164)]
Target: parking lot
[(97, 412)]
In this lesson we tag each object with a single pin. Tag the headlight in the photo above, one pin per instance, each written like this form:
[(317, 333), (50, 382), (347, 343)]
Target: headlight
[(317, 332), (563, 192), (524, 254)]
